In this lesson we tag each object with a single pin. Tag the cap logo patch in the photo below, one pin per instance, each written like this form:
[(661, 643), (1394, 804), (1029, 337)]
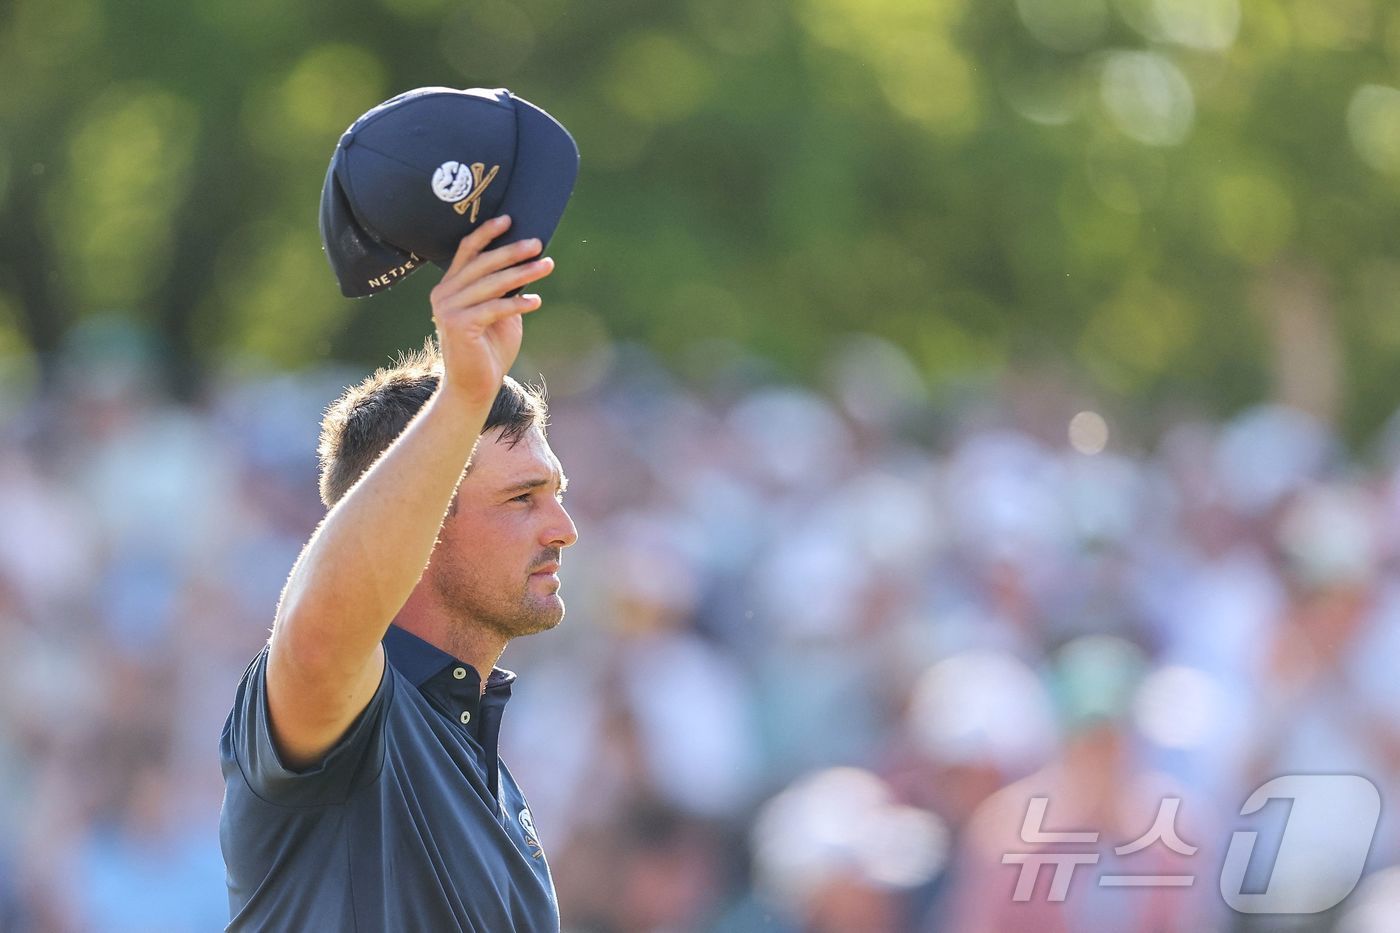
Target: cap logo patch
[(461, 184)]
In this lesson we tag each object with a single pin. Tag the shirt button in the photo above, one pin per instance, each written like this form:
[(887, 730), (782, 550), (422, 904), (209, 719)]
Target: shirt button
[(466, 716), (459, 672)]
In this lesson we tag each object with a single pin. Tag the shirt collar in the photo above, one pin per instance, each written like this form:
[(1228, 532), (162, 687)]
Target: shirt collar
[(419, 661)]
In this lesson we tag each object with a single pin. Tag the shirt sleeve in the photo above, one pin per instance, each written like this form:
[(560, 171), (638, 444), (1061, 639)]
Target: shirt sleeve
[(249, 754)]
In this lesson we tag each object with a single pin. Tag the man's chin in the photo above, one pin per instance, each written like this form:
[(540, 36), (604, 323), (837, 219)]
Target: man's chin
[(545, 618)]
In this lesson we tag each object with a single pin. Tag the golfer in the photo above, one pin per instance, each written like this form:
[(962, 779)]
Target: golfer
[(362, 785)]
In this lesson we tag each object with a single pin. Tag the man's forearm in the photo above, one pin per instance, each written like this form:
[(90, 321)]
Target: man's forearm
[(364, 560)]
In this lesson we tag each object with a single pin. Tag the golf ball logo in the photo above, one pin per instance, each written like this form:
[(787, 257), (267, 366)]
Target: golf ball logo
[(452, 181)]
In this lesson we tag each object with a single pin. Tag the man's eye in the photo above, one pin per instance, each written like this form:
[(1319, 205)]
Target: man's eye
[(523, 497)]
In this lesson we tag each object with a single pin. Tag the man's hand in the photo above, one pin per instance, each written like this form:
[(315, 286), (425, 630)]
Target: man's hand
[(478, 329)]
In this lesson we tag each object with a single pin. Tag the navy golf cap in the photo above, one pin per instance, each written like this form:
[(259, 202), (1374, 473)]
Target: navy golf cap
[(414, 175)]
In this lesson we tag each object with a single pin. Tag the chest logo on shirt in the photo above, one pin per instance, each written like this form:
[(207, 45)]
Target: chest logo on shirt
[(527, 823)]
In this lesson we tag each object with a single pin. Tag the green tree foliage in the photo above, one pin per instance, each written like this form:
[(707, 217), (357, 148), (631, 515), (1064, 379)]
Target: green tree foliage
[(1179, 197)]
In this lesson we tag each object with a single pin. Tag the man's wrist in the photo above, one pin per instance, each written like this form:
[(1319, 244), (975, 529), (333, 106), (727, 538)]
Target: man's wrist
[(461, 398)]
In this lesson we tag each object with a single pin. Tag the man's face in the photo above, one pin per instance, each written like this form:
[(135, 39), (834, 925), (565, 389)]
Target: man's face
[(497, 559)]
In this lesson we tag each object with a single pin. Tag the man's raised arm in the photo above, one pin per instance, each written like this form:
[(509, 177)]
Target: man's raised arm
[(357, 571)]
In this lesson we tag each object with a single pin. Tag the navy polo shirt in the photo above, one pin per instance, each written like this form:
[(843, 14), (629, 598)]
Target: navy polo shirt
[(410, 823)]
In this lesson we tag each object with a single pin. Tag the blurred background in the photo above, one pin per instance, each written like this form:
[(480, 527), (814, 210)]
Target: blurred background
[(965, 401)]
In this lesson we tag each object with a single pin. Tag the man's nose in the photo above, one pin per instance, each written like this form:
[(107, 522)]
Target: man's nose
[(561, 531)]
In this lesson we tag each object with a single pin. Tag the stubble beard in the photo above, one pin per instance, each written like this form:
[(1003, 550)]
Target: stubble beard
[(510, 614)]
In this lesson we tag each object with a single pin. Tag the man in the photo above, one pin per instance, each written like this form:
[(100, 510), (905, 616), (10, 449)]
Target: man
[(363, 790)]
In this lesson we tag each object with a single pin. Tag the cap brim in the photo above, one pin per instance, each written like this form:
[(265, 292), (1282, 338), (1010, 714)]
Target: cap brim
[(362, 264)]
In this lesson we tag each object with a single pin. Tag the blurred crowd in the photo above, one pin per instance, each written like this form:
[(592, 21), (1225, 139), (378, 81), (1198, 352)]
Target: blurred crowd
[(831, 653)]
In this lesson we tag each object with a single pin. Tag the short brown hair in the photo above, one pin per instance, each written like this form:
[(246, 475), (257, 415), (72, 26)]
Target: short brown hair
[(366, 419)]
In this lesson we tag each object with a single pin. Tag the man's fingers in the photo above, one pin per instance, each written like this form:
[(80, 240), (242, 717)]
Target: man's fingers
[(493, 260), (508, 280), (497, 284), (473, 243), (489, 312)]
